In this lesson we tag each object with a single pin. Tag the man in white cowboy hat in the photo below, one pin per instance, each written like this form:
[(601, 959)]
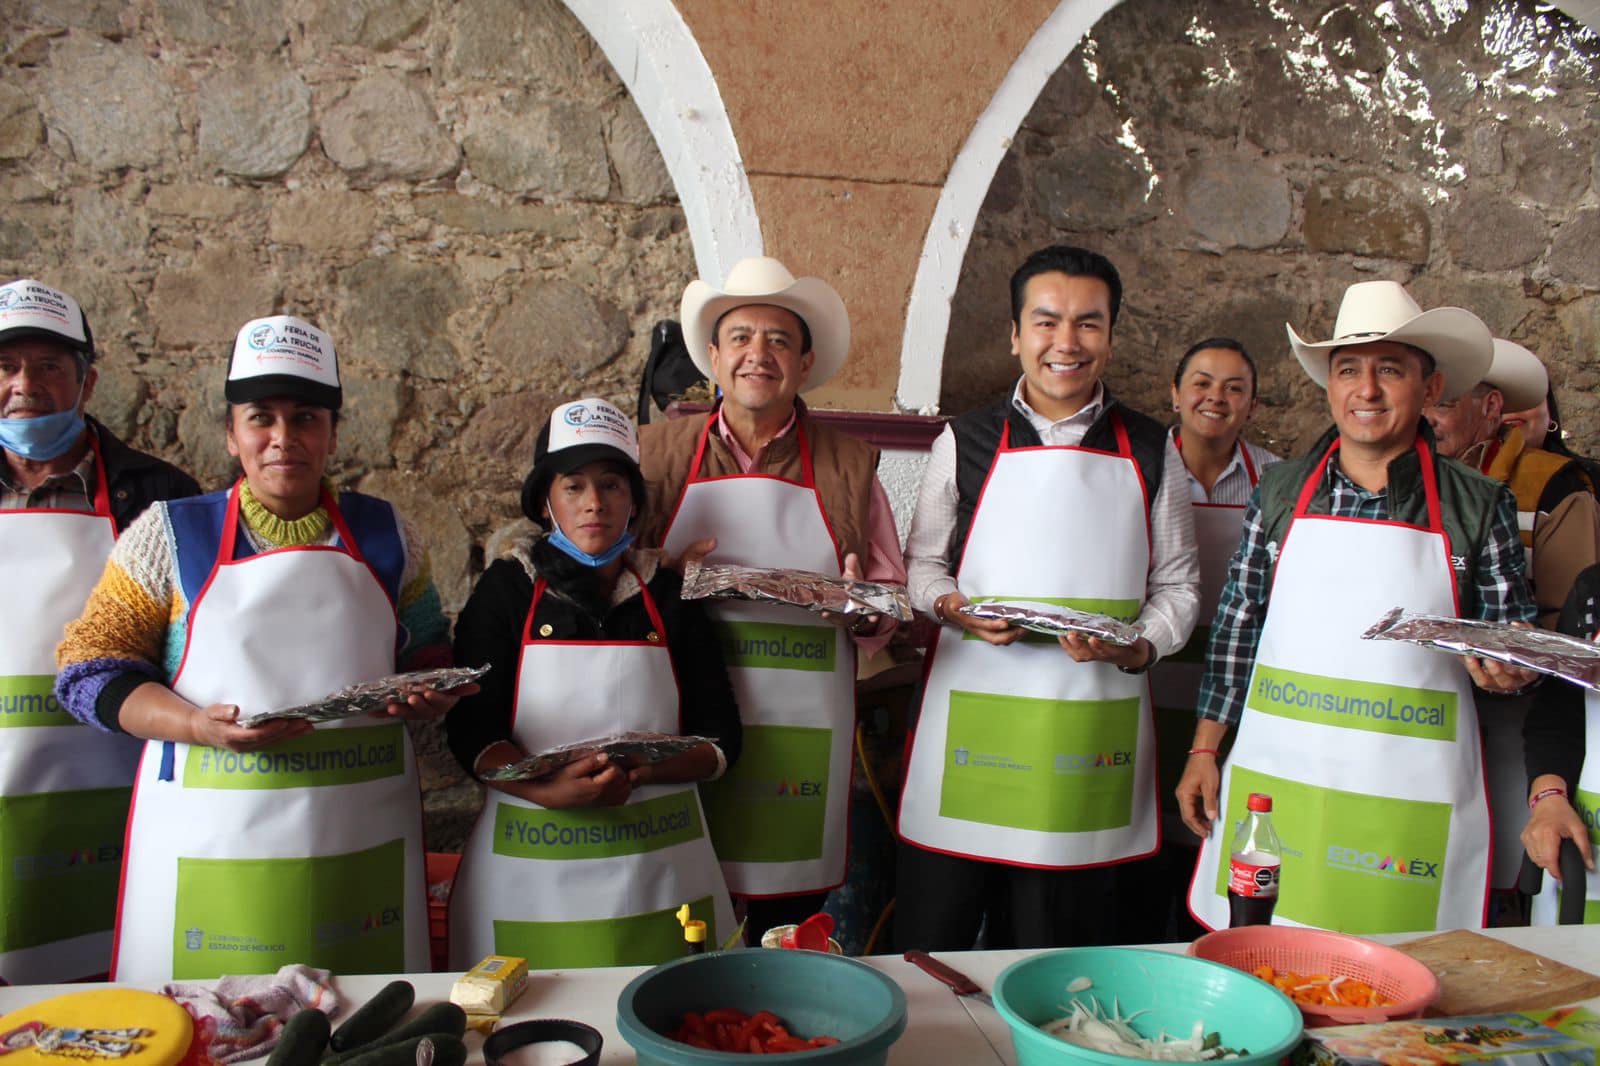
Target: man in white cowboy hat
[(1370, 750), (67, 486), (1032, 769), (1472, 429), (762, 483)]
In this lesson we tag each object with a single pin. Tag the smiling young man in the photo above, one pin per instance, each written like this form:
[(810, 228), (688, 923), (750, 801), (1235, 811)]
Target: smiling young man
[(762, 483), (1370, 750), (1034, 761), (67, 487)]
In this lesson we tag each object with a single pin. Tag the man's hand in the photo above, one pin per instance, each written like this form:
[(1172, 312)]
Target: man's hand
[(1553, 820), (427, 705), (861, 623), (215, 727), (694, 553), (1494, 676), (994, 630), (1197, 793), (1094, 650)]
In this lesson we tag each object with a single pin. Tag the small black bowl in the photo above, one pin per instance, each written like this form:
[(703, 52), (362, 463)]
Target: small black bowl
[(543, 1031)]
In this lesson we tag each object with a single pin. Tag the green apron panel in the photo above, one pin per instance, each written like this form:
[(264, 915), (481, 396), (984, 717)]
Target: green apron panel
[(637, 940), (30, 700), (777, 645), (1052, 766), (1351, 862), (597, 832), (345, 913), (770, 805), (320, 758), (61, 857), (1428, 714)]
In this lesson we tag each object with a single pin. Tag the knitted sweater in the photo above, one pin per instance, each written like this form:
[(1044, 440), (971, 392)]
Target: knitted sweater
[(136, 623)]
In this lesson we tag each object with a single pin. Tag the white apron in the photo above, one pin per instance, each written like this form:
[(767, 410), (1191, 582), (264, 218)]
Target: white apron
[(63, 786), (309, 851), (1021, 755), (1175, 680), (596, 886), (1587, 803), (778, 816), (1369, 749)]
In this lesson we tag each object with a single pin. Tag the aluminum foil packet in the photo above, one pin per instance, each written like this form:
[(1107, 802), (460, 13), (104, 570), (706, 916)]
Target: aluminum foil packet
[(795, 588), (1540, 650), (1055, 620), (635, 747), (369, 697)]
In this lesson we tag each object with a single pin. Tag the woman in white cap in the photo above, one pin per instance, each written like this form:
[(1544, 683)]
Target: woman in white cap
[(585, 637), (249, 847)]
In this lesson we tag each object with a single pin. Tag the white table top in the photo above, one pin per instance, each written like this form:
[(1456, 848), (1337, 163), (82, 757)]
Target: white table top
[(941, 1027)]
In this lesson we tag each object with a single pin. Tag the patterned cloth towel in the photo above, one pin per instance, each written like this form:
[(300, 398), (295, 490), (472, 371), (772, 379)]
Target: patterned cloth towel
[(240, 1017)]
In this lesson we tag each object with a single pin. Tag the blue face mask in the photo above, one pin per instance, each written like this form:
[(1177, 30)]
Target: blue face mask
[(42, 439), (561, 543)]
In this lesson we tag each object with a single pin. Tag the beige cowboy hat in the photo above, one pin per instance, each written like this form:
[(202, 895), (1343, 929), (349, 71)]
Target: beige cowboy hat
[(764, 280), (1461, 345), (1518, 374)]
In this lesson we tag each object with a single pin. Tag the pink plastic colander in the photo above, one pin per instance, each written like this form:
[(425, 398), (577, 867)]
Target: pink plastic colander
[(1410, 985)]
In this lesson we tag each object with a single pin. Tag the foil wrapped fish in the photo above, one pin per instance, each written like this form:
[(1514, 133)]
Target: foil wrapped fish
[(796, 588), (1055, 620), (370, 696), (635, 747), (1540, 650)]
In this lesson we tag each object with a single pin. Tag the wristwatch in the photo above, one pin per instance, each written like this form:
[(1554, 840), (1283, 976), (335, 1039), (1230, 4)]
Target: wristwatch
[(1149, 661)]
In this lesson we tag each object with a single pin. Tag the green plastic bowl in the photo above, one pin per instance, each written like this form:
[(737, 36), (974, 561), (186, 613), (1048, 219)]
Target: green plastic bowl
[(1175, 989), (815, 995)]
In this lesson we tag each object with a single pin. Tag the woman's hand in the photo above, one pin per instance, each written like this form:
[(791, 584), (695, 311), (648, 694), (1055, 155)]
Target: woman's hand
[(696, 764), (591, 780), (426, 706), (1552, 821), (215, 727)]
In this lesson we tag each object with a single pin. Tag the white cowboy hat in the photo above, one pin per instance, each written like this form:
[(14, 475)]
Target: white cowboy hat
[(1518, 374), (764, 280), (1461, 345)]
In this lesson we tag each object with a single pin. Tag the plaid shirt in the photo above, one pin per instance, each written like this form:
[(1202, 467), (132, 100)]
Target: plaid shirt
[(1502, 588), (71, 491)]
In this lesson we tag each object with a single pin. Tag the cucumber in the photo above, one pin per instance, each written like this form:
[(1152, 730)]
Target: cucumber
[(441, 1018), (447, 1051), (375, 1017), (302, 1040)]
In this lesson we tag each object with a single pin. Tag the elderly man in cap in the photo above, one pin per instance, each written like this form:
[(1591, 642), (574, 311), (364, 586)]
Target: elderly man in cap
[(67, 486), (760, 482), (1033, 765), (1369, 750)]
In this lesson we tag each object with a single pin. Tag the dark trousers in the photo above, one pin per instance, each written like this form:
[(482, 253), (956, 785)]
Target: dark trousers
[(763, 914), (942, 900)]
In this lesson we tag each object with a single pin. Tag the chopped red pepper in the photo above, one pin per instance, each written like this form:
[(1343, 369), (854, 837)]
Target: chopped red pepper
[(726, 1029)]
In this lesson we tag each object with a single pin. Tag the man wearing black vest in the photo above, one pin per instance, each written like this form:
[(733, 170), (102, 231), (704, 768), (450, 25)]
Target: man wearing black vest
[(1369, 749), (1032, 767)]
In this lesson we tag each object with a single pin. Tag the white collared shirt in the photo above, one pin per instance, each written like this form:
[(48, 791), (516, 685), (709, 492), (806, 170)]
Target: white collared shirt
[(1235, 485)]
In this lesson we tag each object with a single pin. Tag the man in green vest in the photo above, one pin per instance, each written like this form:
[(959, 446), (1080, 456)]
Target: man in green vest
[(1370, 750)]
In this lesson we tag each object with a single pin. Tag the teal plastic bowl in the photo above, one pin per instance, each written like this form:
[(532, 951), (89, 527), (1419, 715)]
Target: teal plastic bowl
[(815, 995), (1175, 989)]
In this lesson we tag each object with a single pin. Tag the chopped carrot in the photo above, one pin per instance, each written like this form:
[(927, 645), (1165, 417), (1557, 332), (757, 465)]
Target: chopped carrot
[(1321, 990)]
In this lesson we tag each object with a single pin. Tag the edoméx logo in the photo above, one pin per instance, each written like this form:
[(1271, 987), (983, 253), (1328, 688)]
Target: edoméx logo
[(50, 863), (339, 931), (1382, 863), (1093, 761)]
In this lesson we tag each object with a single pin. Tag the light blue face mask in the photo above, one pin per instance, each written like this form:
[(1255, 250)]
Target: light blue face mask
[(563, 544), (45, 438)]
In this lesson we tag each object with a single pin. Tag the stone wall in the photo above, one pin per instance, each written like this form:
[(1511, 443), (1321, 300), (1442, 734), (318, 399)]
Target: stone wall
[(461, 193), (1242, 163)]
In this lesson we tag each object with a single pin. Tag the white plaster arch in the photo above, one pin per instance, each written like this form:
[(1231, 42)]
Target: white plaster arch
[(967, 184), (658, 59)]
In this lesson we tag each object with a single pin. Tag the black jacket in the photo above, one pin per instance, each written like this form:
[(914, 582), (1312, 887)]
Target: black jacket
[(136, 480), (489, 630), (1555, 734)]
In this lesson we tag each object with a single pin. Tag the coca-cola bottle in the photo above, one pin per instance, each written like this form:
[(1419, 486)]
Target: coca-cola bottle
[(1253, 868)]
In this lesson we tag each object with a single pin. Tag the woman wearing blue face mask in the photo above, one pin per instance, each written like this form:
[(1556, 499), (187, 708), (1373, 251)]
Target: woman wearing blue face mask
[(586, 638)]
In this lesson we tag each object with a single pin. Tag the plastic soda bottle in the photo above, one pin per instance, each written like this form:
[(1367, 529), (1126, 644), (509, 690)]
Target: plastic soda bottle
[(1253, 868)]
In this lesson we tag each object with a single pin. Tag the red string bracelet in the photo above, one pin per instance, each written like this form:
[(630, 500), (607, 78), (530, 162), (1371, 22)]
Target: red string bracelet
[(1545, 794), (1214, 751)]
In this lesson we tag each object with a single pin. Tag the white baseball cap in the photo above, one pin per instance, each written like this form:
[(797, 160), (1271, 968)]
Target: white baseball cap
[(578, 433), (284, 356), (31, 309)]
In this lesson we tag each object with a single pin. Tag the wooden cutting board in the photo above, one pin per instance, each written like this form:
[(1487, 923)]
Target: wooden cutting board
[(1480, 975)]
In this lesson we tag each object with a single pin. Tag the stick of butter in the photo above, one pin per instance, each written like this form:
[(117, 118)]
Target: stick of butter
[(491, 986)]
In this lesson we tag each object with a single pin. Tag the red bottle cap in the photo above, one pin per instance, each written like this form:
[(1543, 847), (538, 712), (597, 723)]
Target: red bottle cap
[(1259, 801)]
